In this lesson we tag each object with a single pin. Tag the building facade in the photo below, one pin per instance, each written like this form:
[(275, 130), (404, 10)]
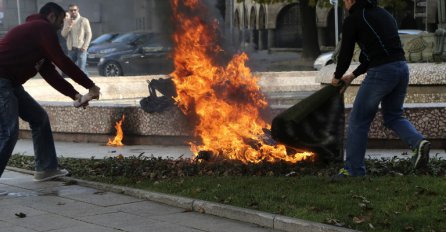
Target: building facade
[(279, 25), (248, 24)]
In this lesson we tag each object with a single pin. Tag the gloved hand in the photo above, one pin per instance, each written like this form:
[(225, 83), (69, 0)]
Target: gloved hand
[(94, 92), (80, 101)]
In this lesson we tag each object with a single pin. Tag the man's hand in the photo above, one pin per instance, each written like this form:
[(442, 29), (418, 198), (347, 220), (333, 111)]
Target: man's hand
[(69, 22), (346, 79), (80, 101), (335, 82)]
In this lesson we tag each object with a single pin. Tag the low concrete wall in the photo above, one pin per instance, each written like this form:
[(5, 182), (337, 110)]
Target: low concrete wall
[(96, 123)]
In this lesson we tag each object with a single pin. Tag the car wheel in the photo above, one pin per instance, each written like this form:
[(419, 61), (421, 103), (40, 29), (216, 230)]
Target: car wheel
[(111, 69)]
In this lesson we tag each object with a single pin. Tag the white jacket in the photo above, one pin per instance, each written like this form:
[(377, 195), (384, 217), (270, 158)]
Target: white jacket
[(79, 34)]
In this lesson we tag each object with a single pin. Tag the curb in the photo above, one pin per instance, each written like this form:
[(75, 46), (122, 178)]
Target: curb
[(267, 220)]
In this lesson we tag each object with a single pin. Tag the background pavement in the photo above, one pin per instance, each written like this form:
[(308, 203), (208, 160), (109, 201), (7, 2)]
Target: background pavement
[(100, 151)]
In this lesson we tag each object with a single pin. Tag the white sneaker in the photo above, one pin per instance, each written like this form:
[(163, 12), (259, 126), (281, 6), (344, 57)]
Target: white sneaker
[(3, 193), (49, 175)]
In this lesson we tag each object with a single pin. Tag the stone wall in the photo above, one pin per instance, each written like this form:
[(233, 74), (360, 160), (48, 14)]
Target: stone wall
[(96, 123), (121, 95)]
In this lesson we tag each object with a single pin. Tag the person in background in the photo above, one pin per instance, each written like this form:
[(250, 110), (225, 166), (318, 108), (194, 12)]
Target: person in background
[(77, 32), (382, 57), (26, 50), (63, 42)]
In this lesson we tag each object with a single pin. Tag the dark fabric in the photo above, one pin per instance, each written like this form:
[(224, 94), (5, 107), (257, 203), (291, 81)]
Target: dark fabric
[(376, 32), (314, 124), (154, 103), (34, 47)]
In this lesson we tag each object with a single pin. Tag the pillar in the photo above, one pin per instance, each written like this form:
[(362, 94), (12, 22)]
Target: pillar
[(260, 39), (271, 41)]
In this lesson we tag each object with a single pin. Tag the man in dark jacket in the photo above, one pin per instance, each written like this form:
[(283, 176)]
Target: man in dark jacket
[(26, 50), (382, 57)]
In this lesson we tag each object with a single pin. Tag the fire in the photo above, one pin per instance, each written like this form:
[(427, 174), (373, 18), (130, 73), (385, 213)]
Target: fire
[(117, 141), (225, 102)]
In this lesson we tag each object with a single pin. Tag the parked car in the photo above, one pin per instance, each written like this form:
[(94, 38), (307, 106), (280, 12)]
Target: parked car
[(123, 42), (322, 60), (104, 38), (149, 55), (327, 58)]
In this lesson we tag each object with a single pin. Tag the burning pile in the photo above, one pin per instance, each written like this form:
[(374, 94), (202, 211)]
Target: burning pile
[(225, 102)]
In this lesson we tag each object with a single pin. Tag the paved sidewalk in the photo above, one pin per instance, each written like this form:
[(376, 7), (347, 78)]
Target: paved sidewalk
[(56, 207)]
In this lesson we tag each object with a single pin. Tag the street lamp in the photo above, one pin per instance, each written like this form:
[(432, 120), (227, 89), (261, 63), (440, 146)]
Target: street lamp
[(18, 12), (335, 4)]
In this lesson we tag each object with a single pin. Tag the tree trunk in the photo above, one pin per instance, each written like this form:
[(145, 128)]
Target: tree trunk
[(309, 31)]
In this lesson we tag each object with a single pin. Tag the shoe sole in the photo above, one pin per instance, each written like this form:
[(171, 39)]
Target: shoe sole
[(51, 177), (423, 158)]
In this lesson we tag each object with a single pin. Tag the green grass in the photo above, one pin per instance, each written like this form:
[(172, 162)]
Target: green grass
[(408, 203), (391, 199)]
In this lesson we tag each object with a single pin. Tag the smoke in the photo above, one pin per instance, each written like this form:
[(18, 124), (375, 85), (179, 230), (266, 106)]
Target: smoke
[(217, 10), (210, 11), (163, 12)]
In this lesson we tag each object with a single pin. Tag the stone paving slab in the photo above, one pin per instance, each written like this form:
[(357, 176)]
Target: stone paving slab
[(53, 206), (139, 210)]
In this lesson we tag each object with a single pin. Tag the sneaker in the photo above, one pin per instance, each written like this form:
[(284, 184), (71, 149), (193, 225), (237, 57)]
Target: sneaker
[(342, 174), (49, 175), (420, 158), (3, 193)]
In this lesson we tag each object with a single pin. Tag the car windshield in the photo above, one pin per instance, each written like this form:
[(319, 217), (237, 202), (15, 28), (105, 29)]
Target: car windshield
[(103, 38), (126, 38)]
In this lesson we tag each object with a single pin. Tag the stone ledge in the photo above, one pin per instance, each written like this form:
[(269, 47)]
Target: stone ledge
[(420, 74), (427, 82), (131, 87)]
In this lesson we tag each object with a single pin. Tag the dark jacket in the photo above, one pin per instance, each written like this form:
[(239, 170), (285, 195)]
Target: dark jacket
[(33, 47), (376, 33)]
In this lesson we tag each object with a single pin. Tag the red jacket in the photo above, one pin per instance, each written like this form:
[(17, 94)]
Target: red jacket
[(33, 47)]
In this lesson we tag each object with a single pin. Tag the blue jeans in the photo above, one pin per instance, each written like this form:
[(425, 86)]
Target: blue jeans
[(79, 58), (15, 102), (385, 84)]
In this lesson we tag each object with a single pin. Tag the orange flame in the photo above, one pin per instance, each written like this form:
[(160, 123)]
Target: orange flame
[(225, 102), (117, 141)]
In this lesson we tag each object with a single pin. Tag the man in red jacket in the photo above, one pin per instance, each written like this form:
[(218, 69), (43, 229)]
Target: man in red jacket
[(26, 50)]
